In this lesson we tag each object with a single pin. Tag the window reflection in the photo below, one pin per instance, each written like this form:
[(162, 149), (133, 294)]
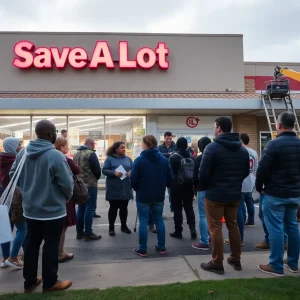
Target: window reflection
[(17, 126)]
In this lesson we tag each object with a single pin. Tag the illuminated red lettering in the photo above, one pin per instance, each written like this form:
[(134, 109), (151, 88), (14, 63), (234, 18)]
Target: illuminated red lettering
[(60, 60), (162, 52), (124, 63), (78, 58), (102, 55), (140, 57), (23, 50), (43, 58)]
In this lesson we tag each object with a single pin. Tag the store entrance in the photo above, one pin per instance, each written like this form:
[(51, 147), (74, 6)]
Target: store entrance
[(192, 137)]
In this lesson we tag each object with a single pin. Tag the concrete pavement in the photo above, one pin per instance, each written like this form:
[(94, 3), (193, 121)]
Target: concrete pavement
[(111, 262), (120, 247), (141, 272)]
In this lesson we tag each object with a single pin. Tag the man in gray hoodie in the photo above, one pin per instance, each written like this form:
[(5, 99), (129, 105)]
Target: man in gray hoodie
[(46, 184)]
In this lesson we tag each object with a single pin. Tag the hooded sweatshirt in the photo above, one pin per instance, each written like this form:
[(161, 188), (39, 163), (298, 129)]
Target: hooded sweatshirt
[(202, 143), (7, 158), (150, 175), (224, 166), (45, 181)]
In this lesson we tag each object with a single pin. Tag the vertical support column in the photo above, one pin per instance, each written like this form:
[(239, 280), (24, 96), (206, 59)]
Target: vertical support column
[(104, 133), (68, 123), (151, 125), (31, 128)]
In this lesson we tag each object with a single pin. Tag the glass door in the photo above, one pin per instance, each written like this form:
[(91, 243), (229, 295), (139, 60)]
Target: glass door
[(191, 137)]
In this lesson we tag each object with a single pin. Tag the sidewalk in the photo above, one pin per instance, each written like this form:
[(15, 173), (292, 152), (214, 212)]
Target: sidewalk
[(145, 271)]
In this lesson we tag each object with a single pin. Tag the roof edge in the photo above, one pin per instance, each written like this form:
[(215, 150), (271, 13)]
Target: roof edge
[(271, 63), (119, 33)]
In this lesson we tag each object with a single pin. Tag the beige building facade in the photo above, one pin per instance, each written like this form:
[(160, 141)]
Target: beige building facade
[(116, 86)]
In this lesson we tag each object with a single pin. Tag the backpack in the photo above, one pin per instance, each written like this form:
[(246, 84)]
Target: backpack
[(186, 171)]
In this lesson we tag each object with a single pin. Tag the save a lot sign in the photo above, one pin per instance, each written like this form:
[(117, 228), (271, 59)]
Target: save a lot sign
[(28, 55)]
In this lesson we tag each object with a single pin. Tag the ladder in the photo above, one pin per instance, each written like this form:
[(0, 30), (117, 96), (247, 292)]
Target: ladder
[(270, 112)]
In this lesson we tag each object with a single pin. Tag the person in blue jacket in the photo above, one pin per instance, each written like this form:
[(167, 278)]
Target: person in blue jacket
[(118, 191), (150, 175)]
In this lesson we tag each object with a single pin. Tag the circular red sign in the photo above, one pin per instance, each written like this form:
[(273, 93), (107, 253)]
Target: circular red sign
[(192, 122)]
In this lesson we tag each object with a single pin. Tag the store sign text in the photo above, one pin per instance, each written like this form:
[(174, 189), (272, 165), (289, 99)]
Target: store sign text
[(29, 56)]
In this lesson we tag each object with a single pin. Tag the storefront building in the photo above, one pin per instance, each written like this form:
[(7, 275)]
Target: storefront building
[(121, 86)]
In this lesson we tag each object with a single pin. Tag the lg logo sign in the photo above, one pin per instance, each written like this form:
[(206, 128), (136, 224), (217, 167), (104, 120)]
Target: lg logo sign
[(192, 122)]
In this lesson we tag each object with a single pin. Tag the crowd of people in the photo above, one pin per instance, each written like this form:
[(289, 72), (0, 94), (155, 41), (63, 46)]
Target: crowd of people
[(222, 177)]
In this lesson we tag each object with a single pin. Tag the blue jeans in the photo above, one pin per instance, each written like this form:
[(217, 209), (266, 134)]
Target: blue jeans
[(203, 227), (241, 217), (151, 220), (144, 210), (85, 212), (262, 219), (247, 198), (280, 215), (170, 200), (18, 241)]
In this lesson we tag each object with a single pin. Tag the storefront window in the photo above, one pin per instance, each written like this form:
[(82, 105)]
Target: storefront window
[(129, 130), (80, 128), (18, 126), (192, 138), (60, 123)]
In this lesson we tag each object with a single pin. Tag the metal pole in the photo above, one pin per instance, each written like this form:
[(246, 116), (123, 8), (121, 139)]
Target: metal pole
[(104, 134), (31, 128)]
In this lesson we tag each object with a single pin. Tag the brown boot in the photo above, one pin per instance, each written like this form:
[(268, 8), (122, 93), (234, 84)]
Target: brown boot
[(235, 263), (30, 289), (92, 237), (59, 286), (263, 246), (214, 268)]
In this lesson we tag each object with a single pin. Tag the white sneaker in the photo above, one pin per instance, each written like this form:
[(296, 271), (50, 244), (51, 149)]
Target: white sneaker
[(15, 264), (3, 264)]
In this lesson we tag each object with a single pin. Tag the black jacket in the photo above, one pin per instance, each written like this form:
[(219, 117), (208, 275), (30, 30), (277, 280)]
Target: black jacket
[(224, 166), (166, 152), (279, 167), (202, 143)]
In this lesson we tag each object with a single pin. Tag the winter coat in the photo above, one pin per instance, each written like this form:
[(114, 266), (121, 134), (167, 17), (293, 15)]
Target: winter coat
[(165, 151), (89, 165), (223, 168), (150, 175), (117, 189), (203, 142), (279, 167)]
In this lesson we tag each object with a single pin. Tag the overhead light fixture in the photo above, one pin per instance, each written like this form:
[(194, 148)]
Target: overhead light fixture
[(23, 123)]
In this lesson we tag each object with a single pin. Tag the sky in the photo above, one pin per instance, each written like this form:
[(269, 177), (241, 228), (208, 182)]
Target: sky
[(271, 28)]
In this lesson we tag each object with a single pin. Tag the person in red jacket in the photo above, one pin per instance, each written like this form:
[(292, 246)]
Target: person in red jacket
[(61, 145)]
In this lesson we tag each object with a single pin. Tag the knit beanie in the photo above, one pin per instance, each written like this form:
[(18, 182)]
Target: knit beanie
[(10, 145)]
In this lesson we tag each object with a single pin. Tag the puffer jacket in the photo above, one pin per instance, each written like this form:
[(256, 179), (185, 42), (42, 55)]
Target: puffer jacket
[(279, 168), (224, 166)]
